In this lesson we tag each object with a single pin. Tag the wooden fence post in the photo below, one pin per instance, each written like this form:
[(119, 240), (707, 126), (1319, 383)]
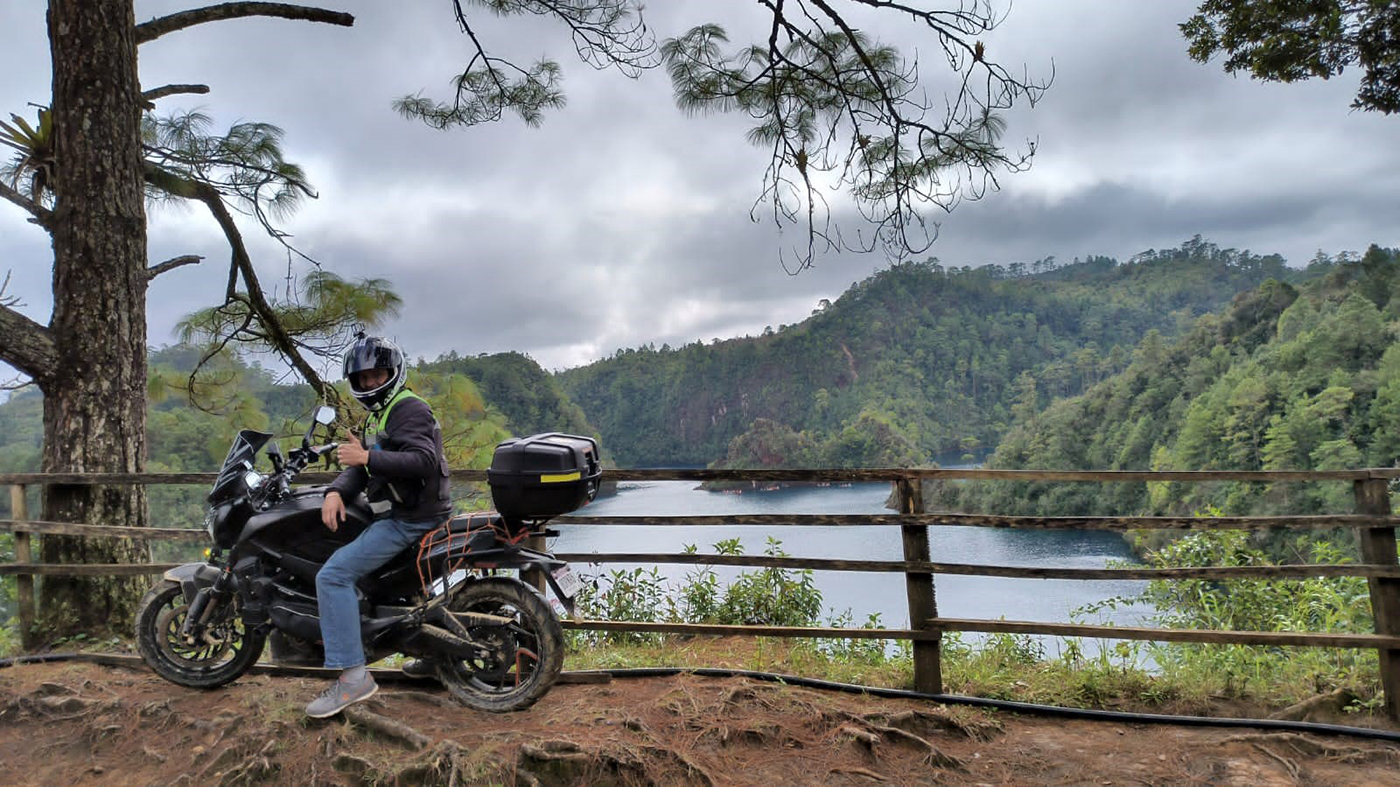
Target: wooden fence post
[(24, 583), (1378, 546), (923, 604), (535, 578)]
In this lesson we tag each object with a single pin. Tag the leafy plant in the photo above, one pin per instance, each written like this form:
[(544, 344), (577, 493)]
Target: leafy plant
[(1324, 604), (34, 162), (772, 596)]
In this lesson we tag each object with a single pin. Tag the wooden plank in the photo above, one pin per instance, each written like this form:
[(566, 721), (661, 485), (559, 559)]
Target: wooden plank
[(1378, 546), (107, 531), (535, 577), (919, 589), (714, 629), (1264, 638), (24, 583), (834, 520), (87, 569), (894, 474), (792, 475), (165, 479), (1326, 521), (1292, 571)]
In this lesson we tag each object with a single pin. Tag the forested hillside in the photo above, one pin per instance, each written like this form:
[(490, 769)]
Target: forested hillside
[(918, 362), (1285, 378), (529, 397)]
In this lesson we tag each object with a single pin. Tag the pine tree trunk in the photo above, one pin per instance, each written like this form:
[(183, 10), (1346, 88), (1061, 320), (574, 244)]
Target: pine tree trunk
[(94, 401)]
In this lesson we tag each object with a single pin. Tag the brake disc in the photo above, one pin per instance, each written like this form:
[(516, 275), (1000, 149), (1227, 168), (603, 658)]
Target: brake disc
[(168, 624)]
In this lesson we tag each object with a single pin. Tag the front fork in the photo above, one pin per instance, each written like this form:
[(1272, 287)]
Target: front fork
[(206, 602)]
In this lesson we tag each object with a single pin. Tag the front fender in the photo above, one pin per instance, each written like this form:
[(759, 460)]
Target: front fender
[(192, 577)]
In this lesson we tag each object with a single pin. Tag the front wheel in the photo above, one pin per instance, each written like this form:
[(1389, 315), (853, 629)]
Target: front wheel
[(224, 652), (525, 655)]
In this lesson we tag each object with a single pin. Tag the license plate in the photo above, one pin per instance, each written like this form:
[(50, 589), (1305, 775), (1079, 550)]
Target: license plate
[(568, 581)]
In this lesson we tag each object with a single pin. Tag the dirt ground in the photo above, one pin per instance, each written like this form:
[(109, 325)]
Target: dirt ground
[(76, 723)]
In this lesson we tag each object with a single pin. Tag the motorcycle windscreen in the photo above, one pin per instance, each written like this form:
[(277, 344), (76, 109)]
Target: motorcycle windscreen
[(241, 457)]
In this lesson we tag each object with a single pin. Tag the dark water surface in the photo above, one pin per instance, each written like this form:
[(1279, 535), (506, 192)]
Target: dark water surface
[(863, 593)]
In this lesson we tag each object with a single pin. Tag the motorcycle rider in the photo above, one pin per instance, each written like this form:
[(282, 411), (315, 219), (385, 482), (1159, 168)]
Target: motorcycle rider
[(402, 468)]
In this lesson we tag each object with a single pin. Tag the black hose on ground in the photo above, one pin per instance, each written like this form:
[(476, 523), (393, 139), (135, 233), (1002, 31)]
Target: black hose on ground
[(40, 658), (875, 691)]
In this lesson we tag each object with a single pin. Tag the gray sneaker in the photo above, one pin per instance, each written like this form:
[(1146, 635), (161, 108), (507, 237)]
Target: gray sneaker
[(340, 695), (419, 668)]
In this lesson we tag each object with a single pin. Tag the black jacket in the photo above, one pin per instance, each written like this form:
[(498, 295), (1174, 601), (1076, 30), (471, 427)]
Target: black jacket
[(406, 466)]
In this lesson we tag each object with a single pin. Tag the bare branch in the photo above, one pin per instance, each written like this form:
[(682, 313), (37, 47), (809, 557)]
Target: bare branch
[(149, 31), (41, 215), (17, 383), (172, 264), (10, 301), (28, 346), (149, 97)]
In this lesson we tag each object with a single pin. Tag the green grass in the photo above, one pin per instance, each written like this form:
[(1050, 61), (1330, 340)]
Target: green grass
[(1011, 667)]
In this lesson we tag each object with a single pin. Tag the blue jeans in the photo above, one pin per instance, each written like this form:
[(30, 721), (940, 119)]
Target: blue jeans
[(335, 585)]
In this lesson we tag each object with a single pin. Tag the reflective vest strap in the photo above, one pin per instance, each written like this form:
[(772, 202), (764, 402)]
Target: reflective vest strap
[(376, 421)]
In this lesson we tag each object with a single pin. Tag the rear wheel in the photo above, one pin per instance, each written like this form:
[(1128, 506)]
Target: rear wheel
[(224, 652), (524, 656)]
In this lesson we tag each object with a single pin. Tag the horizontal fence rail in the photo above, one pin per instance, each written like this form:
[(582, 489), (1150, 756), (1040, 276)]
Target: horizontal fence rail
[(1373, 521), (761, 476)]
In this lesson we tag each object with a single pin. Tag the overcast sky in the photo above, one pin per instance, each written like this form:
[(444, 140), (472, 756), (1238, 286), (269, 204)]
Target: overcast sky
[(623, 222)]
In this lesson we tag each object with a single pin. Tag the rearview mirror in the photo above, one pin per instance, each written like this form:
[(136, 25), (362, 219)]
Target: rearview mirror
[(325, 415)]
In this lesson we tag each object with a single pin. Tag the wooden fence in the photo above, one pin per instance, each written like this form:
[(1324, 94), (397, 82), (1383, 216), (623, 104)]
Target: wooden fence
[(1372, 519)]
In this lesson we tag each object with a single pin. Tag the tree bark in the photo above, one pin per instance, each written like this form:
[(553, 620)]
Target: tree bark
[(94, 397)]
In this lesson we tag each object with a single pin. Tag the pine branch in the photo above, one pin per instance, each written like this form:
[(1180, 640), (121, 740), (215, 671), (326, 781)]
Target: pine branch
[(172, 264), (149, 31), (241, 266), (26, 345), (41, 215), (148, 97)]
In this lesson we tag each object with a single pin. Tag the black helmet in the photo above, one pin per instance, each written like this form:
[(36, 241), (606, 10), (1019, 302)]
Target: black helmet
[(373, 352)]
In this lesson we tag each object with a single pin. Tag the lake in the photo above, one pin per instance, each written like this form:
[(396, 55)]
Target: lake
[(864, 593)]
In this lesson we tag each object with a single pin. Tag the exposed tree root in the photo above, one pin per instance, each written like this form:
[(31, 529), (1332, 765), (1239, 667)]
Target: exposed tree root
[(561, 762), (861, 772), (351, 765), (1311, 747), (1288, 765), (423, 697), (866, 741), (446, 764), (926, 723), (395, 731), (868, 738), (235, 765), (1329, 704)]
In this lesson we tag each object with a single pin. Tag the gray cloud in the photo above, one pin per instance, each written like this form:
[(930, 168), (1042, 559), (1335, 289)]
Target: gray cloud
[(622, 222)]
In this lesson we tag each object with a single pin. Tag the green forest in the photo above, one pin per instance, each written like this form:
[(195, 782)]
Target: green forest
[(1303, 376), (918, 363)]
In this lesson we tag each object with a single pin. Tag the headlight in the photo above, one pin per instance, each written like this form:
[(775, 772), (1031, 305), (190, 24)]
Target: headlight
[(209, 522), (252, 479)]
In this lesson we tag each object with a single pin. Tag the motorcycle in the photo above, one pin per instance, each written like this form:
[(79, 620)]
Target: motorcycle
[(493, 641)]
